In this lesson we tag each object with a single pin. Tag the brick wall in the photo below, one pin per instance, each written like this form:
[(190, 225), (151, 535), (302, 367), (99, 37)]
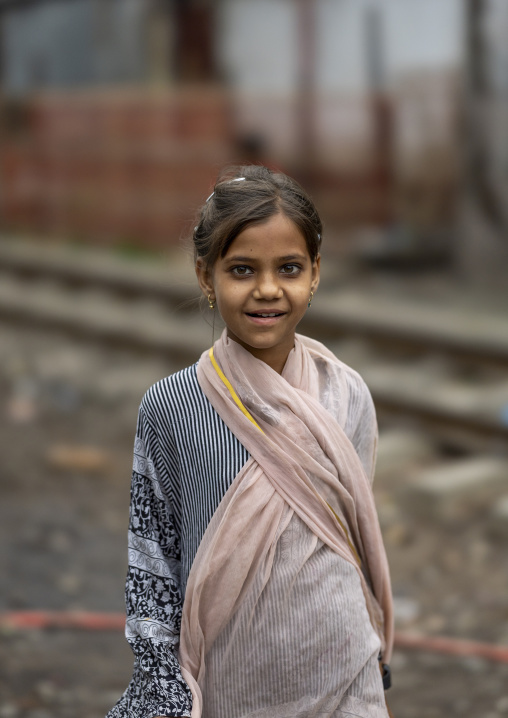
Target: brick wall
[(112, 166)]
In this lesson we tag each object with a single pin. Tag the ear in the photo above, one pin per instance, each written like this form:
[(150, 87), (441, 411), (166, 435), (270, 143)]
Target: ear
[(205, 279), (316, 268)]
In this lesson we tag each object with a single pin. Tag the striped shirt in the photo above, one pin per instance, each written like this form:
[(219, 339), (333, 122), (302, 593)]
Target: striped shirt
[(185, 459)]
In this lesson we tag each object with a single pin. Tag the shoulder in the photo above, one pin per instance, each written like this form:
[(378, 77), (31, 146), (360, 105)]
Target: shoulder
[(356, 383), (357, 401), (336, 369), (342, 389), (174, 397), (350, 401)]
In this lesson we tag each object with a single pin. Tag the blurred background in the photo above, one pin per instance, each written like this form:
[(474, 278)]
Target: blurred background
[(115, 118)]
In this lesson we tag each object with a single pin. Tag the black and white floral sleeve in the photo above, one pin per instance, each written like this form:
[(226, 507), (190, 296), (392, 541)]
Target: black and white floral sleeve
[(153, 595)]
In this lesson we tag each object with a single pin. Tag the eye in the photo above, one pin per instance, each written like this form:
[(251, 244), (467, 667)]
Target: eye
[(290, 269), (241, 270)]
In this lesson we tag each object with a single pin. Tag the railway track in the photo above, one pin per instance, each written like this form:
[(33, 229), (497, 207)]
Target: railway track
[(445, 370)]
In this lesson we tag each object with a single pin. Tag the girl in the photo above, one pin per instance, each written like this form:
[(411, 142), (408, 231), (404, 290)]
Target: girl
[(258, 583)]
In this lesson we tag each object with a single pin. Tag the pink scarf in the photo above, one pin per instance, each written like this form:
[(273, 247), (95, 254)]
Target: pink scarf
[(302, 464)]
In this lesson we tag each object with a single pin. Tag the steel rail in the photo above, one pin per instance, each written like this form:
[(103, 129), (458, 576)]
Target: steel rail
[(376, 319)]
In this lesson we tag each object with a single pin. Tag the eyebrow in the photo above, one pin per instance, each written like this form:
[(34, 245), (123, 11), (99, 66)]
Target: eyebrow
[(287, 258)]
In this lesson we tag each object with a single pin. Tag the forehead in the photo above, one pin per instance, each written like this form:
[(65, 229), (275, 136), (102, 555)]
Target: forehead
[(278, 236)]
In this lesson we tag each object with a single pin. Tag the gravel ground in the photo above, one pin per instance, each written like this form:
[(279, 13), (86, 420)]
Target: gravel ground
[(67, 423)]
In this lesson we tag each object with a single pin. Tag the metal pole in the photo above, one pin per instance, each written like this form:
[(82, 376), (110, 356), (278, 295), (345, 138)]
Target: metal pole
[(381, 108), (306, 105)]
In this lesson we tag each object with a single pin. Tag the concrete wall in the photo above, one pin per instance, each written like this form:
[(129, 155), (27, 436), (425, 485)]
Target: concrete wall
[(258, 41), (259, 52), (72, 43)]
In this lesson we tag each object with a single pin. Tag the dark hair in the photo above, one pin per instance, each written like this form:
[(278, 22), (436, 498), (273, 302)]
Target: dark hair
[(247, 195)]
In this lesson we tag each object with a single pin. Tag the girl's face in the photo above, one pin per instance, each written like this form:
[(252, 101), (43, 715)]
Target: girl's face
[(262, 287)]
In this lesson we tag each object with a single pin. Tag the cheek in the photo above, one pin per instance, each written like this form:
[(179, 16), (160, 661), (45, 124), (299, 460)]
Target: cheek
[(233, 292), (303, 293)]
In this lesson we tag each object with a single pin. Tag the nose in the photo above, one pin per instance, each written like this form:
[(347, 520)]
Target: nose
[(268, 286)]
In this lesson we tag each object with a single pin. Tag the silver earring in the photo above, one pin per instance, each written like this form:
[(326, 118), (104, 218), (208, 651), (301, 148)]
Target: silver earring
[(211, 302), (310, 299)]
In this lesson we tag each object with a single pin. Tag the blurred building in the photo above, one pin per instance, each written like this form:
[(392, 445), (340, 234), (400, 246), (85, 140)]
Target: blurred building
[(86, 43), (118, 113), (483, 255), (76, 43), (112, 126)]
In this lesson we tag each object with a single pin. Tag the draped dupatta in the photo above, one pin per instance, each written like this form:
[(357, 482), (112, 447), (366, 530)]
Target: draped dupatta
[(301, 465)]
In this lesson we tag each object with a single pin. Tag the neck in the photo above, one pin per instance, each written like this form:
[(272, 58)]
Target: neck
[(275, 357)]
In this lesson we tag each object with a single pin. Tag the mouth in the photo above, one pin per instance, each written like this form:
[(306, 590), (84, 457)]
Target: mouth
[(265, 317)]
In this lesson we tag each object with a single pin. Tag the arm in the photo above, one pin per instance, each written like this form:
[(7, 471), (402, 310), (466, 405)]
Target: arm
[(153, 596)]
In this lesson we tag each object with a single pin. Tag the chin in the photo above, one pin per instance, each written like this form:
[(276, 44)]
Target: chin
[(260, 345)]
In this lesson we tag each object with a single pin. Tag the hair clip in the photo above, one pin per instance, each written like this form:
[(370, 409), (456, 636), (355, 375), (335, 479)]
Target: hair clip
[(236, 179)]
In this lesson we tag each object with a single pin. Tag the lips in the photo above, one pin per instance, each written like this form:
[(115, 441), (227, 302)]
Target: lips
[(265, 315), (266, 318)]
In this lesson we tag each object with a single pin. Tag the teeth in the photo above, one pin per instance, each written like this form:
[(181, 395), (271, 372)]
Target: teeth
[(265, 315)]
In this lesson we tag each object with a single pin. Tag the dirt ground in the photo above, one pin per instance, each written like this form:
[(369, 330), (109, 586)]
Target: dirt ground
[(63, 521)]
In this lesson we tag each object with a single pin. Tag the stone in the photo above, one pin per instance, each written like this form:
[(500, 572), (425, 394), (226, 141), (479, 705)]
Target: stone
[(9, 710), (46, 690), (399, 451), (498, 524), (457, 490), (397, 534), (69, 583), (405, 610), (89, 459), (502, 704)]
